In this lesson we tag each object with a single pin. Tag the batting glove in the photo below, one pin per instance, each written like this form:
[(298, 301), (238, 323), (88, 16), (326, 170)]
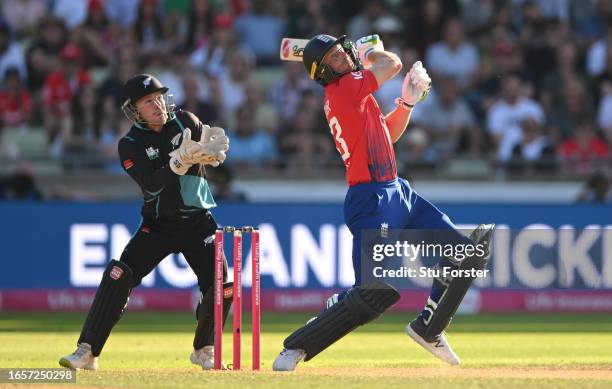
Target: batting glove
[(366, 45), (416, 84)]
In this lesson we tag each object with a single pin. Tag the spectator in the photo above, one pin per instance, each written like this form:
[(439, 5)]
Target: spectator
[(361, 24), (597, 54), (194, 101), (72, 12), (43, 55), (15, 101), (59, 89), (11, 55), (22, 16), (96, 37), (265, 116), (20, 186), (79, 141), (453, 56), (303, 146), (596, 189), (122, 12), (449, 122), (534, 148), (229, 89), (604, 111), (584, 152), (566, 70), (149, 29), (261, 31), (572, 104), (200, 24), (285, 94), (250, 145), (211, 56), (505, 117), (425, 29)]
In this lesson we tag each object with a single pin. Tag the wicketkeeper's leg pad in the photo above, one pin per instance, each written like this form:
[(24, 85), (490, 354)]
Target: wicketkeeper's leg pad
[(361, 305), (108, 305), (443, 310), (205, 314)]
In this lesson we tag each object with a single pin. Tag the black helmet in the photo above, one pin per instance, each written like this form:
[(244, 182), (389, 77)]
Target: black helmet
[(315, 51), (139, 86)]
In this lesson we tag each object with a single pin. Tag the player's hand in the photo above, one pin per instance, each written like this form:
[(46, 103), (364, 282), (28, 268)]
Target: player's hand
[(214, 145), (416, 84), (366, 45), (181, 159)]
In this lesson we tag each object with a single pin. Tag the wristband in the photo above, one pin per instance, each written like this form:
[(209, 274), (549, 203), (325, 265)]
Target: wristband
[(402, 103)]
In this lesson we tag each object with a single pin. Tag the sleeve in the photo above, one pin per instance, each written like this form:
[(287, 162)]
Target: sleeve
[(135, 164), (191, 121), (357, 85)]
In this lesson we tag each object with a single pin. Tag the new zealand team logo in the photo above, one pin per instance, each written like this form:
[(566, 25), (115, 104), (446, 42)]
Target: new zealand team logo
[(146, 82)]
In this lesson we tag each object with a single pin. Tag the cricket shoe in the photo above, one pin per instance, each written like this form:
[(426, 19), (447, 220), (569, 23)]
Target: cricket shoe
[(205, 357), (439, 347), (82, 358), (287, 360)]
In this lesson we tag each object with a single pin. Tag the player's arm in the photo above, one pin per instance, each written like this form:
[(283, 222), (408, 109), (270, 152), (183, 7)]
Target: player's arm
[(415, 87), (397, 121), (384, 64), (134, 163)]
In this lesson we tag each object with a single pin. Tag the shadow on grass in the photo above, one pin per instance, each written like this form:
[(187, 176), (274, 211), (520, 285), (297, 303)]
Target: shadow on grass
[(287, 322)]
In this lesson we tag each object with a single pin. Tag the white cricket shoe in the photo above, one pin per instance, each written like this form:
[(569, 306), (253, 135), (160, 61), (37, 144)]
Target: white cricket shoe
[(205, 357), (82, 358), (439, 348), (287, 360)]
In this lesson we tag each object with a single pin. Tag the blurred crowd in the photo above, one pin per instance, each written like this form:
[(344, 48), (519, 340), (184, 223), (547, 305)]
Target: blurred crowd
[(519, 86)]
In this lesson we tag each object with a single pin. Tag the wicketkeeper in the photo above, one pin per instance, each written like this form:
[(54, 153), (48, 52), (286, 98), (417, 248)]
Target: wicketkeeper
[(376, 197), (166, 153)]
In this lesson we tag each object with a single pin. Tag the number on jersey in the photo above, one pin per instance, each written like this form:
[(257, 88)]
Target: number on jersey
[(341, 145)]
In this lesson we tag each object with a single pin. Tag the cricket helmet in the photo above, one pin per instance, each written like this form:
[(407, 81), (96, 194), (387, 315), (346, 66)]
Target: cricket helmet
[(314, 54), (140, 86)]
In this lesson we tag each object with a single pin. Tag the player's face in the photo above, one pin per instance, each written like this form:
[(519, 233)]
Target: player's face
[(338, 60), (152, 109)]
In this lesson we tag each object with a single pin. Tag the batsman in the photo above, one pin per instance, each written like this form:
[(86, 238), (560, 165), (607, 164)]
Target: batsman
[(376, 197), (160, 154)]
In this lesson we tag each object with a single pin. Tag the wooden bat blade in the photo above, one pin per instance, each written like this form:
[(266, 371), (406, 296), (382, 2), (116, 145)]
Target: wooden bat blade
[(292, 49)]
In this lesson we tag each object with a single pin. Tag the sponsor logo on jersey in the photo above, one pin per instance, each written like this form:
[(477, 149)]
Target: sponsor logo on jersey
[(145, 229), (127, 164), (116, 272), (152, 153)]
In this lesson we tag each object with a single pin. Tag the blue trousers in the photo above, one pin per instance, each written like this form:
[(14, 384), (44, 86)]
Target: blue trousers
[(394, 203)]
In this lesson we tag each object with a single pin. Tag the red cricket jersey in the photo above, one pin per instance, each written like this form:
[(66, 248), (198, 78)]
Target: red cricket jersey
[(359, 128)]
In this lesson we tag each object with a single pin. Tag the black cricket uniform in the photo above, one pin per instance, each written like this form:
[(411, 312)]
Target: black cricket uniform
[(175, 212), (175, 218)]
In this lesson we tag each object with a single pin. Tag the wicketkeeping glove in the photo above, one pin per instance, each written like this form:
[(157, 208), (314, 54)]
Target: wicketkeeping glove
[(367, 45), (416, 84), (214, 145), (181, 159)]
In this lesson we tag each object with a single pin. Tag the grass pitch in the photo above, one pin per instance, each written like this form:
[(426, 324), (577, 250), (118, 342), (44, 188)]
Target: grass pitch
[(151, 350)]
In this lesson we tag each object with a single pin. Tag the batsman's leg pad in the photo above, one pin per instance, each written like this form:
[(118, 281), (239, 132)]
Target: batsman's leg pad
[(108, 305), (360, 306), (205, 314), (443, 310)]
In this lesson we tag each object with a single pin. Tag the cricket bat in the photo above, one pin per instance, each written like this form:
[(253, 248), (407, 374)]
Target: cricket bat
[(292, 49)]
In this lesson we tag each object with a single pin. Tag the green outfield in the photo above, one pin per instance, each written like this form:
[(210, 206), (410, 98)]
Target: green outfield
[(151, 350)]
